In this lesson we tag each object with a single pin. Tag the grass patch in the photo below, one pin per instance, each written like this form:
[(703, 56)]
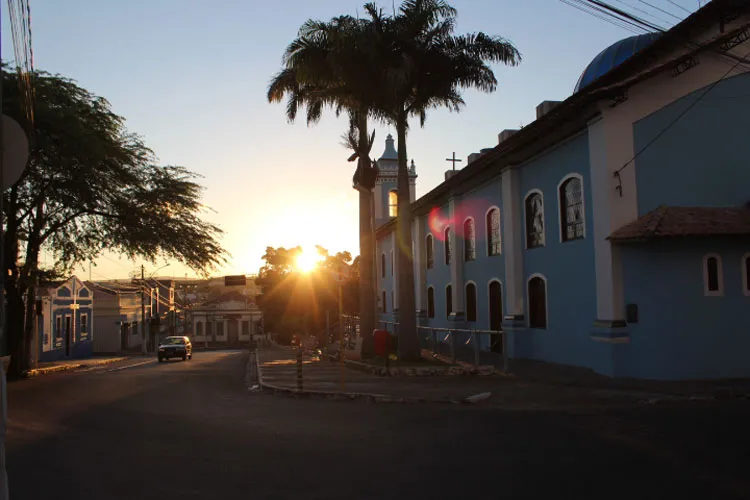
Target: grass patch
[(395, 362)]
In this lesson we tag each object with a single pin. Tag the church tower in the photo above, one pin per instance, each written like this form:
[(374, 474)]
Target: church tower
[(386, 186)]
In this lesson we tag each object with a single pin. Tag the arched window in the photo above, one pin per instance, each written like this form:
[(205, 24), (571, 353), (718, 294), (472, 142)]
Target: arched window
[(713, 279), (382, 265), (471, 302), (534, 205), (448, 300), (393, 203), (746, 273), (470, 248), (430, 302), (384, 304), (447, 246), (493, 231), (430, 251), (570, 194), (537, 302)]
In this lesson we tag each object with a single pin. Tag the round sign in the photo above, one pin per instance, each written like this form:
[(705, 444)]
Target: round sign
[(15, 151)]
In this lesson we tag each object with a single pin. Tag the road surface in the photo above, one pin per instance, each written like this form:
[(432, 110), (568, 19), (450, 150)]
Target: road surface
[(192, 430)]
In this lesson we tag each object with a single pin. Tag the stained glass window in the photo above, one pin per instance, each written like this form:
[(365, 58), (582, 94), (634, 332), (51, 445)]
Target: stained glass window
[(571, 209), (430, 253), (534, 221), (470, 249), (447, 246), (493, 232)]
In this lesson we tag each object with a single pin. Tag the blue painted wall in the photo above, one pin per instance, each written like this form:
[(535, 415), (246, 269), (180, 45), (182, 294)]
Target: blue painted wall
[(702, 158), (681, 333), (440, 275), (568, 266)]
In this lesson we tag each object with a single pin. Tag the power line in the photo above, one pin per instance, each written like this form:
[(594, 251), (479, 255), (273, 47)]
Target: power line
[(679, 6), (601, 17), (679, 116), (660, 9)]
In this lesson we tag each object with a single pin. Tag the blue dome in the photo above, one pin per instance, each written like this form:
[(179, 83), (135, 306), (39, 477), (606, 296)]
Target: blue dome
[(613, 56)]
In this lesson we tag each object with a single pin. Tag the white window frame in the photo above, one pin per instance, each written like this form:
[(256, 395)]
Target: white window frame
[(502, 296), (487, 231), (474, 238), (546, 301), (476, 301), (559, 207), (544, 219), (720, 280), (743, 267)]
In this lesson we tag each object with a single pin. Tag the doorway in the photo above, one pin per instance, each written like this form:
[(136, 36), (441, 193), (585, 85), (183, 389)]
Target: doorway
[(232, 332), (68, 340), (496, 315)]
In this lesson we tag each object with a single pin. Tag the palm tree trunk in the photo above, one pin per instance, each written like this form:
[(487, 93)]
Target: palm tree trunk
[(366, 238), (408, 341)]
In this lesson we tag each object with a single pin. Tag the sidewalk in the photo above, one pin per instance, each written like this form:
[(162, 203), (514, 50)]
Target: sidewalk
[(278, 373), (73, 364)]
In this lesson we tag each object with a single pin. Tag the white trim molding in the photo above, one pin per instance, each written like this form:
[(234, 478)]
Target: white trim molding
[(719, 278), (525, 228), (476, 301), (546, 301), (487, 231), (572, 175), (473, 237), (745, 266)]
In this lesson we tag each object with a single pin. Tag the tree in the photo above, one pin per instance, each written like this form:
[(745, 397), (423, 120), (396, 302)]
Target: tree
[(331, 64), (425, 67), (90, 185), (294, 302)]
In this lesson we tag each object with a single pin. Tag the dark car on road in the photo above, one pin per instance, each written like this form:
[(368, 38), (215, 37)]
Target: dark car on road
[(175, 347)]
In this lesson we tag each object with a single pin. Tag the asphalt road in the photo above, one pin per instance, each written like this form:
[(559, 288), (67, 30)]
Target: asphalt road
[(191, 429)]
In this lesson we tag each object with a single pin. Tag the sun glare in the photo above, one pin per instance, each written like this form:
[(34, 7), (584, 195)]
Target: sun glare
[(308, 260)]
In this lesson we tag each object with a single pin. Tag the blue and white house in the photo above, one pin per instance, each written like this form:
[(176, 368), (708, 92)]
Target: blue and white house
[(614, 231), (64, 320)]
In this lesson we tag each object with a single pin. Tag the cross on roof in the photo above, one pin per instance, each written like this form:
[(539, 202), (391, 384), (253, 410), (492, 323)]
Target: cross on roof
[(453, 160)]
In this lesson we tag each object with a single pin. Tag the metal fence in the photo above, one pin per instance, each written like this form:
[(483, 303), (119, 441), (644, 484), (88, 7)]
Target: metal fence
[(478, 347)]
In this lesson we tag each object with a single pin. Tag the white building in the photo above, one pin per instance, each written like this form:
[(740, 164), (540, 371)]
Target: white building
[(230, 319)]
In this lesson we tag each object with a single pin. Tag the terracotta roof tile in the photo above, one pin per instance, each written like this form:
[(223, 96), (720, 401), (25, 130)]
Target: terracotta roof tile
[(672, 222)]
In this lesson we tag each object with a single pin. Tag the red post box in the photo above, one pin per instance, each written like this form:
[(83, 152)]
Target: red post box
[(382, 338)]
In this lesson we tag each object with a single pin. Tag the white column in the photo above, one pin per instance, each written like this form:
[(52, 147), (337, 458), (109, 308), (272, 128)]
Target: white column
[(457, 261), (609, 142), (394, 264), (420, 257), (512, 243)]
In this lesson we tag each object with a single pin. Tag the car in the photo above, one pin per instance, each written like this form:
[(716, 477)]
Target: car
[(175, 347)]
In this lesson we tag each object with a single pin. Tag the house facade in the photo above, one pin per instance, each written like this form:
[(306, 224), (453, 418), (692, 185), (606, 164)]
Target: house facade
[(64, 320), (117, 317), (231, 319), (614, 231)]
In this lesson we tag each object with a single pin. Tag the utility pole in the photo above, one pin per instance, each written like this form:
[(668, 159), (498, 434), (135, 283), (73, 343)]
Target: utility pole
[(143, 309)]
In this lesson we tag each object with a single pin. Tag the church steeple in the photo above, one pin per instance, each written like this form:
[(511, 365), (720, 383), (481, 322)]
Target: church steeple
[(390, 152), (386, 186)]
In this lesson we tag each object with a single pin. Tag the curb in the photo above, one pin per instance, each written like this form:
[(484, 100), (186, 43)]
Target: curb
[(342, 396), (36, 372)]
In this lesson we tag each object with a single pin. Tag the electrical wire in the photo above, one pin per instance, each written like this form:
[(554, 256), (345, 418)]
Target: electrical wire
[(679, 116), (660, 9), (679, 6)]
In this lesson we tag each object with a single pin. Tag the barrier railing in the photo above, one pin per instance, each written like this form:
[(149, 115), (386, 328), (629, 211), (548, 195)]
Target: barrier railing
[(463, 344)]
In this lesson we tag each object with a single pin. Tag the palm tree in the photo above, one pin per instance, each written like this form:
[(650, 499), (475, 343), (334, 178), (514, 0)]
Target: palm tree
[(328, 65), (425, 67)]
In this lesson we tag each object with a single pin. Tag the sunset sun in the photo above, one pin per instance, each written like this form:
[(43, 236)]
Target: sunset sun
[(308, 260)]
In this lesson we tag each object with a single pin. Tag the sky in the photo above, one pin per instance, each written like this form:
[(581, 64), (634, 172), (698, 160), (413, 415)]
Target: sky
[(190, 76)]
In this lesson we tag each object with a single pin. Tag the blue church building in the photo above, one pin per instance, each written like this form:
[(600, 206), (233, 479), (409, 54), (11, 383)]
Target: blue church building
[(611, 233)]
